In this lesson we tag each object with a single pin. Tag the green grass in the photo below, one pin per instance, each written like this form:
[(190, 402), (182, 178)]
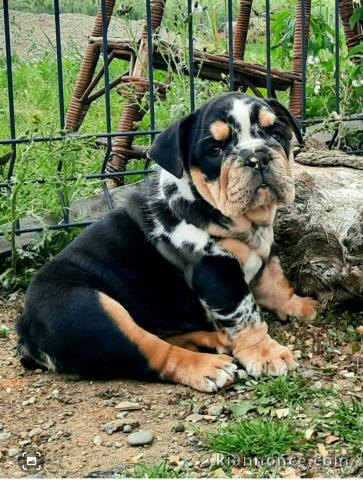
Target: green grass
[(347, 422), (284, 391), (258, 437), (4, 331), (160, 470)]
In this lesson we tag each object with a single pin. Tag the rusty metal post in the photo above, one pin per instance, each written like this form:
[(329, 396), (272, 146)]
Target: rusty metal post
[(241, 29), (132, 111), (296, 92), (77, 109), (354, 35)]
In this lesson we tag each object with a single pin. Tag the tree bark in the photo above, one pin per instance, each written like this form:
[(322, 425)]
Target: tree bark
[(320, 237)]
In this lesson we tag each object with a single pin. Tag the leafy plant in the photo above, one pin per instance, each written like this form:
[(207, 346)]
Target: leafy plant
[(259, 437)]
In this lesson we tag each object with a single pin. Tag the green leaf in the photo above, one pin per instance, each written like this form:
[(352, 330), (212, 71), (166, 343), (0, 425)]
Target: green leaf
[(356, 49), (356, 17), (241, 408)]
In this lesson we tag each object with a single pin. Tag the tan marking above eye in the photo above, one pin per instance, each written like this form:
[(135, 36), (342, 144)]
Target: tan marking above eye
[(266, 118), (220, 130)]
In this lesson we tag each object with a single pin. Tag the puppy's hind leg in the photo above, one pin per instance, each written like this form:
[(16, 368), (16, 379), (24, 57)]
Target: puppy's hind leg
[(202, 371)]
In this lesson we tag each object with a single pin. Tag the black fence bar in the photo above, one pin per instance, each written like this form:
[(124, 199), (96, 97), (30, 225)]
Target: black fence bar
[(337, 60), (230, 44), (106, 73), (58, 42), (9, 73), (191, 56), (268, 48), (77, 136), (42, 181)]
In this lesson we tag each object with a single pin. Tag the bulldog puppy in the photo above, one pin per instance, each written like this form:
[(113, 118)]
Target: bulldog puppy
[(184, 266)]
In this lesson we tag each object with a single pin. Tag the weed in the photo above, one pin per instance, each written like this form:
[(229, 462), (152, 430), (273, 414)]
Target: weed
[(347, 422), (160, 470), (258, 437), (4, 331)]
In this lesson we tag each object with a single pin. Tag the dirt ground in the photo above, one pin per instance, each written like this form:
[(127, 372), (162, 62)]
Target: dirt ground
[(64, 418)]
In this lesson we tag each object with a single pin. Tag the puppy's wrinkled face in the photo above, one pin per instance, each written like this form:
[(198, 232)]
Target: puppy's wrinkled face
[(242, 160), (236, 151)]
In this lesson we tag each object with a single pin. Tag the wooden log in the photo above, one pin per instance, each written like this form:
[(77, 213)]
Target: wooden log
[(320, 237)]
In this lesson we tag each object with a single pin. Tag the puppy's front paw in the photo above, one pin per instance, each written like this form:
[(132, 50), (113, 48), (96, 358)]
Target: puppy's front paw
[(303, 308), (261, 354), (205, 372)]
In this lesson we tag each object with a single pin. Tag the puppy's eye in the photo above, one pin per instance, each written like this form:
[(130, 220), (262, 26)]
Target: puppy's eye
[(215, 152), (277, 135)]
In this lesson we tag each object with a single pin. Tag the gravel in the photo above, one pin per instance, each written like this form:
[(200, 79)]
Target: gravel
[(142, 437)]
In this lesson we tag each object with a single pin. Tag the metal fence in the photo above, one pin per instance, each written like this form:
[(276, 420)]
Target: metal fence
[(14, 140)]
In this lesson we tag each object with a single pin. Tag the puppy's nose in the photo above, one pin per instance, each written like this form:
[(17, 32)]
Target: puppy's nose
[(259, 160), (263, 158)]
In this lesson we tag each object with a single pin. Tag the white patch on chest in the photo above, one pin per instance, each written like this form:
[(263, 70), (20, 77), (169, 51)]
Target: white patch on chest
[(186, 233), (252, 265), (267, 238)]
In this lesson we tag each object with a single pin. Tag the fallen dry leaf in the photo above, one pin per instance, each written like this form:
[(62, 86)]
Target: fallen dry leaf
[(360, 329), (331, 439), (282, 412), (322, 450), (309, 433)]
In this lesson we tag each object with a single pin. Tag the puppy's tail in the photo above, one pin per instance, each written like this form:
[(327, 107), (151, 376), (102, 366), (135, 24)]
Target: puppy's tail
[(30, 356), (25, 357)]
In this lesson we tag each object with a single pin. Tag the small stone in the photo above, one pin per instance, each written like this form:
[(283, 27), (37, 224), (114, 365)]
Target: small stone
[(142, 437), (34, 432), (242, 374), (128, 406), (29, 401), (194, 417), (179, 427), (25, 442), (4, 435), (97, 440), (127, 429), (205, 463), (47, 425), (118, 444), (13, 452), (196, 408), (121, 415), (110, 428), (210, 418), (215, 410)]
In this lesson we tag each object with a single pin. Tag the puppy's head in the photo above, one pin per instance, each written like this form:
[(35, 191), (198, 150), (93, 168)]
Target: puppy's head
[(236, 151)]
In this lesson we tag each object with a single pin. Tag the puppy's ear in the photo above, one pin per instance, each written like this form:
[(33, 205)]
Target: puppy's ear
[(285, 116), (170, 149)]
